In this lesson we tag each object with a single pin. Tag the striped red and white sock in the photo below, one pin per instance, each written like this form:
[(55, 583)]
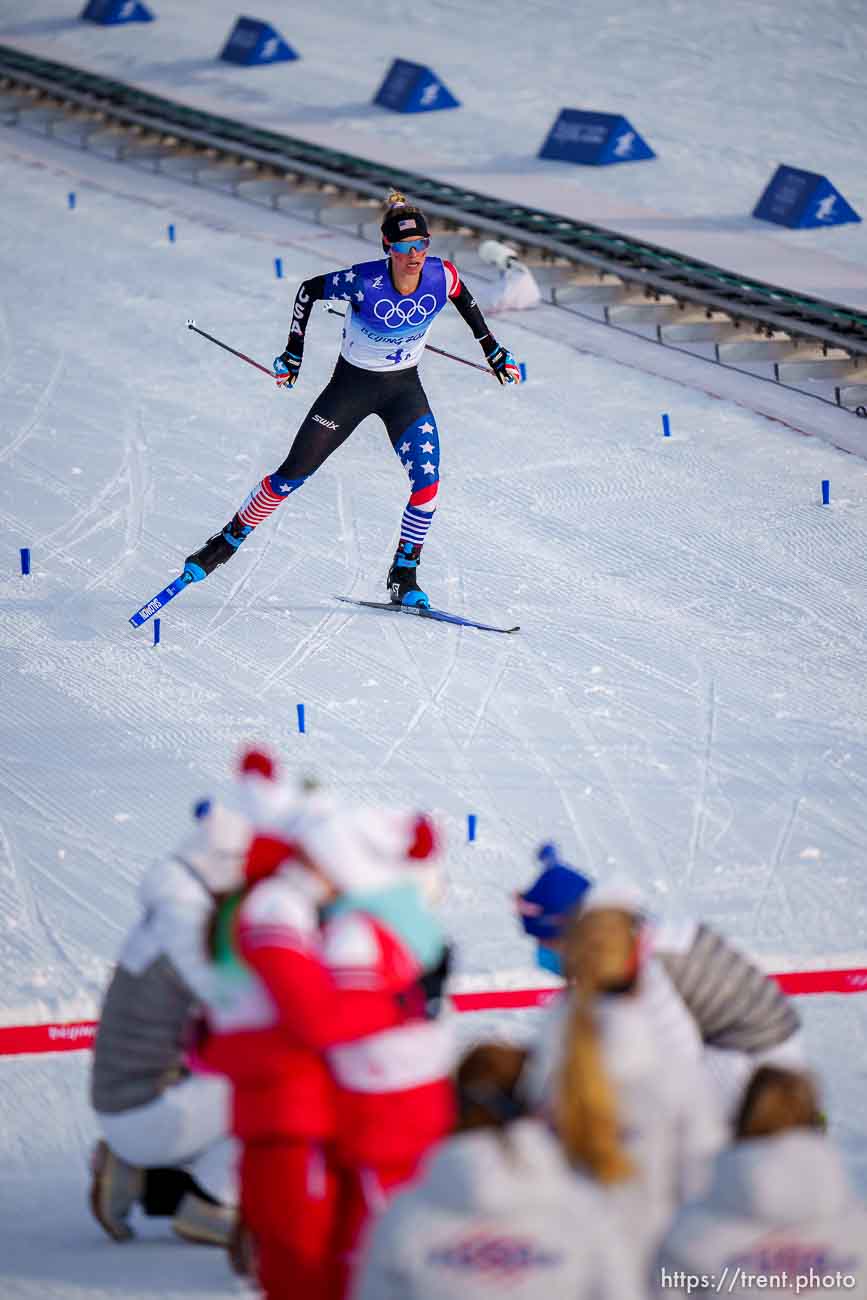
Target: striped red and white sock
[(266, 497)]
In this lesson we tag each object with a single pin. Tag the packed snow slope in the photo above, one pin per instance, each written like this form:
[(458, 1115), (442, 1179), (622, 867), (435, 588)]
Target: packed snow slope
[(721, 93), (685, 700)]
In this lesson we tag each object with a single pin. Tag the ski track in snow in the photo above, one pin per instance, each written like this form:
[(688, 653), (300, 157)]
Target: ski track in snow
[(46, 395), (700, 807)]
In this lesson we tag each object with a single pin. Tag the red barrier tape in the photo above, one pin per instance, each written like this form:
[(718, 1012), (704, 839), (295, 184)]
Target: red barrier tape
[(795, 983), (25, 1040)]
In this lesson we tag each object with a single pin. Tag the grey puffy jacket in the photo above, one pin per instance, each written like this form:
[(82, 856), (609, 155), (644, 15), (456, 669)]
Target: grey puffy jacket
[(161, 975)]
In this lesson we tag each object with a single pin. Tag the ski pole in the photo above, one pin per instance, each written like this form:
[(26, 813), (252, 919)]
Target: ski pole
[(191, 325), (430, 348)]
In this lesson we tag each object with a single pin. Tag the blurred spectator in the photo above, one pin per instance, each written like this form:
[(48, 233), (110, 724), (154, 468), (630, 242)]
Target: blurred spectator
[(497, 1210), (166, 1141), (318, 1154), (670, 1121), (779, 1213), (394, 1093), (546, 906), (703, 993)]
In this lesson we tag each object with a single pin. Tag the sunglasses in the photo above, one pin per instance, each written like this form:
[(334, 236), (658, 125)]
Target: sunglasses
[(409, 246)]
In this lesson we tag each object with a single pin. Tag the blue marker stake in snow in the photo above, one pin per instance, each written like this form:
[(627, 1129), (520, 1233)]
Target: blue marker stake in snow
[(471, 827), (25, 560), (171, 234), (666, 427), (301, 726), (71, 199), (156, 631), (826, 491), (523, 370), (278, 267)]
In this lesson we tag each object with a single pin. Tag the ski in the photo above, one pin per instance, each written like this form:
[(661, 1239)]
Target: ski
[(163, 597), (437, 615)]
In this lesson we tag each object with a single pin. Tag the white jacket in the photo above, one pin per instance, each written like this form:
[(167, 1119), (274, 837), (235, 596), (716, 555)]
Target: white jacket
[(497, 1214), (162, 973), (778, 1208), (672, 1125)]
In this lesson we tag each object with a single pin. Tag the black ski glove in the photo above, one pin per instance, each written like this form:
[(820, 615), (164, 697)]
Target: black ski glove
[(501, 361), (287, 367), (423, 999), (432, 983)]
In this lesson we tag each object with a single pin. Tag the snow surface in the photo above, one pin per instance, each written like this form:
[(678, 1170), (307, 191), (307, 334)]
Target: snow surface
[(685, 700)]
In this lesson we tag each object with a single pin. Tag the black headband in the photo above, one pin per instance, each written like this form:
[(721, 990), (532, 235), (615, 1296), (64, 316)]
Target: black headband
[(400, 224)]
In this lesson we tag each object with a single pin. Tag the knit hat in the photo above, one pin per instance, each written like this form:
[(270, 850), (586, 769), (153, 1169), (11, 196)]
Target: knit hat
[(544, 908), (225, 827), (360, 849)]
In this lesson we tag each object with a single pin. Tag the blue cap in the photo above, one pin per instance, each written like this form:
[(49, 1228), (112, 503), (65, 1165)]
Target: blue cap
[(545, 907)]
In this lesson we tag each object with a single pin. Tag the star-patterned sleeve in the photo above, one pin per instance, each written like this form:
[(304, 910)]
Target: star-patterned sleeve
[(344, 286), (336, 285)]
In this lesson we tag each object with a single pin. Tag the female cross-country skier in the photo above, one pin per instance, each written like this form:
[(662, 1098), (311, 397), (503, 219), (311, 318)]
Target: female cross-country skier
[(391, 304)]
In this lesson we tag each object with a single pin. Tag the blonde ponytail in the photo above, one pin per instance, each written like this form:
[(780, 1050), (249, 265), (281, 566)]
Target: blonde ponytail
[(585, 1110), (395, 200)]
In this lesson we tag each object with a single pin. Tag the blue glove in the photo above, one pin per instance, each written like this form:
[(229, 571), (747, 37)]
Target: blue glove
[(287, 368), (503, 364)]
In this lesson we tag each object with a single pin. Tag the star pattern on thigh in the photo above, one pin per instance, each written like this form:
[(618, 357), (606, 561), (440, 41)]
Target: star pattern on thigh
[(419, 452)]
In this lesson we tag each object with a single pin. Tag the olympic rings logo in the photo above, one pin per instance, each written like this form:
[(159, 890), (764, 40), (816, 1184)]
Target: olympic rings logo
[(395, 314)]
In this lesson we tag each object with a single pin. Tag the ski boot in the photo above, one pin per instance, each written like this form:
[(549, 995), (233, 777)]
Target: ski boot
[(401, 581), (201, 1219), (114, 1189), (217, 549)]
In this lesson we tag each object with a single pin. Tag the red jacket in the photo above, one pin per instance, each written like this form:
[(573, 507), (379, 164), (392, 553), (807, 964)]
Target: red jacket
[(276, 1014), (394, 1093)]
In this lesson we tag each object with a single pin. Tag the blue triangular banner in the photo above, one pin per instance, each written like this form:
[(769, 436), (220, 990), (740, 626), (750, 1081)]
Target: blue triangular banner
[(625, 144), (110, 12), (803, 200), (594, 139), (827, 207), (252, 42), (413, 88)]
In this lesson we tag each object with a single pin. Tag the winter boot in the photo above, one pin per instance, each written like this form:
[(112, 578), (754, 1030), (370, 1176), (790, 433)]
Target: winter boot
[(115, 1187), (242, 1250), (403, 588), (217, 549), (203, 1220)]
